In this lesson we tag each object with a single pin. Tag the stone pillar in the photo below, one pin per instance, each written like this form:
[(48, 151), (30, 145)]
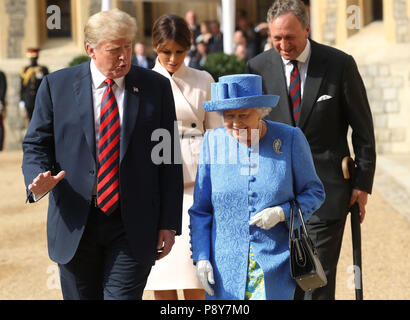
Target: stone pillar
[(16, 9), (330, 26), (228, 24), (402, 21)]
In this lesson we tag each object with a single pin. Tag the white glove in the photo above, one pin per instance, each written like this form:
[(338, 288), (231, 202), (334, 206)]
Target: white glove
[(268, 218), (205, 275)]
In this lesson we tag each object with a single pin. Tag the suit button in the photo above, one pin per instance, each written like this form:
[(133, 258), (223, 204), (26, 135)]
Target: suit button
[(252, 178), (91, 172), (193, 125), (252, 194), (251, 209)]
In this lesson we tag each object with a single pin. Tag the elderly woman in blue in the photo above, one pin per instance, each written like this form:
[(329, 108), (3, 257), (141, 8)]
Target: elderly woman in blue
[(249, 171)]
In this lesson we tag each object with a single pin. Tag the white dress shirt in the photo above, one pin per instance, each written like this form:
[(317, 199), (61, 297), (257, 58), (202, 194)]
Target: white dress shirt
[(303, 63), (142, 61), (98, 88)]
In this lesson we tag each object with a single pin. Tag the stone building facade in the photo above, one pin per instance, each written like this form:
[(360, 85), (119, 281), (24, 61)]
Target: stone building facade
[(375, 32)]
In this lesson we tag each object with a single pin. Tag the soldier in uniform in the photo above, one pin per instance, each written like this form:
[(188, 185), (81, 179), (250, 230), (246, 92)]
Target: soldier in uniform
[(31, 77), (3, 90)]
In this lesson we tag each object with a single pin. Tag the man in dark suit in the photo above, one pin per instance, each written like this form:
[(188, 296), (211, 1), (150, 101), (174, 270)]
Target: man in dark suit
[(322, 93), (216, 42), (112, 210), (141, 59)]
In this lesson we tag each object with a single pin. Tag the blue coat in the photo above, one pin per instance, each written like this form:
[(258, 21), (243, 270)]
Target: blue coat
[(234, 182)]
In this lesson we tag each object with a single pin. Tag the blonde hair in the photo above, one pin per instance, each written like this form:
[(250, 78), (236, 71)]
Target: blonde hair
[(109, 25)]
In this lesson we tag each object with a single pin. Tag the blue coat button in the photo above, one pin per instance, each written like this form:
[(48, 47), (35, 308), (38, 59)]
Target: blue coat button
[(252, 178)]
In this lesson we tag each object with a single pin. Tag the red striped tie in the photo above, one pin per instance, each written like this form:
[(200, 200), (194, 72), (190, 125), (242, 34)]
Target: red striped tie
[(108, 152), (294, 90)]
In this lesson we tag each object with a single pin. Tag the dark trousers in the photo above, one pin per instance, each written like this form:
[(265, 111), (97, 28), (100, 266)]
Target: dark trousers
[(2, 132), (103, 267), (327, 237)]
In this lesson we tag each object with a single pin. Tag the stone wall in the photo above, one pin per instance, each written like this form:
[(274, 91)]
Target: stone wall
[(16, 9), (402, 21), (383, 92)]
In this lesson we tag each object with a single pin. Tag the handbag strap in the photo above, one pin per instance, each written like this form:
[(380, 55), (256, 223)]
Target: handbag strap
[(292, 220)]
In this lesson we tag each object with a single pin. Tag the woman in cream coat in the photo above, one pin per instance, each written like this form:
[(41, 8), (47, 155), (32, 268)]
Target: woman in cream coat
[(190, 87)]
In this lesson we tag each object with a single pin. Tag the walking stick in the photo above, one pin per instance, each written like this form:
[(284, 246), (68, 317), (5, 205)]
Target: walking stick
[(348, 167)]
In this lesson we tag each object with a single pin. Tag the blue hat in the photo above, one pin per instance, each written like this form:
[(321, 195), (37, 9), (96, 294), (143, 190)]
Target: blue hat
[(239, 91)]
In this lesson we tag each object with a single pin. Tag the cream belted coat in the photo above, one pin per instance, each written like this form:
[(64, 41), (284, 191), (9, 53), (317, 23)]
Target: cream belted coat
[(190, 88)]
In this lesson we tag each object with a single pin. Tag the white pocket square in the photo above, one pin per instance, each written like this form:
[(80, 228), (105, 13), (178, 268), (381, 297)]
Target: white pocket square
[(324, 97)]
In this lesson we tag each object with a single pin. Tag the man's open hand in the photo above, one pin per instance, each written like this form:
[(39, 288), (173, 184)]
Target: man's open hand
[(44, 182)]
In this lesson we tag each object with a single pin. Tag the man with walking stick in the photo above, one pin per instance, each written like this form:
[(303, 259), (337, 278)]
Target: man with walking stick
[(323, 94)]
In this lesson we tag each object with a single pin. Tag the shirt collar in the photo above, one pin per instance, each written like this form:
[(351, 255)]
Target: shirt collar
[(98, 78), (303, 57)]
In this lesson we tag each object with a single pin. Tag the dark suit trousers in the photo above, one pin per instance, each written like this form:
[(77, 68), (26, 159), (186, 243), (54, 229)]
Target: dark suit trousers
[(103, 267), (327, 236), (2, 133)]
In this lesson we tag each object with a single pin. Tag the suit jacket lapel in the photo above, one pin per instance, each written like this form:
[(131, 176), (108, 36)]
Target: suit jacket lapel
[(83, 95), (316, 71), (131, 106)]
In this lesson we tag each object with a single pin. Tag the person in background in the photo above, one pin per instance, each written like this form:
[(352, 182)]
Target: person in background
[(249, 171), (141, 59), (171, 39), (3, 91), (241, 52), (201, 55), (323, 94), (30, 80), (205, 34), (240, 39), (190, 18), (215, 43), (113, 207)]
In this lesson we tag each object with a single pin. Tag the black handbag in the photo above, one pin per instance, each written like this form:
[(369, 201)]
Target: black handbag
[(305, 266)]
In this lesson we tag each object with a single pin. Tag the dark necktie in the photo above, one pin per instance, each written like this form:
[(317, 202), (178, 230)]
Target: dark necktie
[(108, 152), (294, 90)]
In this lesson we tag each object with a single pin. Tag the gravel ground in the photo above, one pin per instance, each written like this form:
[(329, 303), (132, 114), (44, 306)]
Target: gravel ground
[(26, 272)]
